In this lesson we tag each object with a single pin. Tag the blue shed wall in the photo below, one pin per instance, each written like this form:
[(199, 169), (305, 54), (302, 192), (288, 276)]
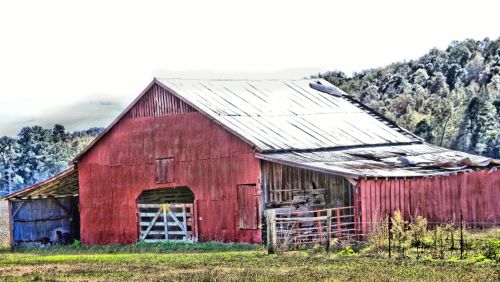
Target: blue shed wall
[(34, 222)]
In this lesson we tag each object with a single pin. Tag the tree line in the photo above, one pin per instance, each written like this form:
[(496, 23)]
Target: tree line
[(38, 153), (448, 97)]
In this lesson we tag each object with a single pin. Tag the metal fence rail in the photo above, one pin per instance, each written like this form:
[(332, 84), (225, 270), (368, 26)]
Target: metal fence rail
[(288, 230)]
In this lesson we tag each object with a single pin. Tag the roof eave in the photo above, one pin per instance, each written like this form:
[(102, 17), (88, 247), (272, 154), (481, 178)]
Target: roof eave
[(35, 186)]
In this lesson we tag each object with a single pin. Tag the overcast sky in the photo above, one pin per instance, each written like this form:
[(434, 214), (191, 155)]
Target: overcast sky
[(81, 64)]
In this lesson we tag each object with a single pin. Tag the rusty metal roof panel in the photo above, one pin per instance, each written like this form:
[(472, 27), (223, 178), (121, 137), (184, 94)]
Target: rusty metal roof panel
[(383, 161), (276, 115)]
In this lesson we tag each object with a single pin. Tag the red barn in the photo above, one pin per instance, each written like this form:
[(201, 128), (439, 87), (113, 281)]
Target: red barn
[(203, 159)]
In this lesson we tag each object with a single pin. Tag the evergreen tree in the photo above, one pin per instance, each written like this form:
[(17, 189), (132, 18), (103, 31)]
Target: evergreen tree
[(424, 130)]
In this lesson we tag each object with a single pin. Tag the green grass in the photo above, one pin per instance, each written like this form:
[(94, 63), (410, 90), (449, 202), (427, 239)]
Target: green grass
[(225, 262), (236, 263), (163, 247)]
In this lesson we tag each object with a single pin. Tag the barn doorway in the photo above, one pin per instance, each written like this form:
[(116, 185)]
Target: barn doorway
[(167, 214)]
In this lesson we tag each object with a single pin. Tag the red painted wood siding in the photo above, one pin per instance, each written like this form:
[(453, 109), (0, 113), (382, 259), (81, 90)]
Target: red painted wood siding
[(158, 102), (207, 159), (439, 199)]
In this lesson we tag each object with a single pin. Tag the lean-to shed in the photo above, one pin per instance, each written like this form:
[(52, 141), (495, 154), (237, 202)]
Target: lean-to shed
[(203, 159)]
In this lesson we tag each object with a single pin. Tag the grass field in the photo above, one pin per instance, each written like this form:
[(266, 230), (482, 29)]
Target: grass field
[(205, 263), (4, 224), (220, 262)]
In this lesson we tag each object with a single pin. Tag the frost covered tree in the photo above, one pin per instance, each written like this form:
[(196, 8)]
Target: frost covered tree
[(10, 153), (38, 153)]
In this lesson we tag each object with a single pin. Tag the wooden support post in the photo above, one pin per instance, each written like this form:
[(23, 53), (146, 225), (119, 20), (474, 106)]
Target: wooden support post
[(271, 231), (184, 221), (339, 230), (356, 209), (194, 221), (320, 229), (11, 226), (297, 234), (165, 221), (389, 228), (461, 235), (328, 228)]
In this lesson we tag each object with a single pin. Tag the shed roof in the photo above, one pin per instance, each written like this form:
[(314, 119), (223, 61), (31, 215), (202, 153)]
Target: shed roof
[(61, 185), (414, 160)]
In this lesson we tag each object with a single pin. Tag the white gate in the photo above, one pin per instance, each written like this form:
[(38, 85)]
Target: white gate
[(167, 222)]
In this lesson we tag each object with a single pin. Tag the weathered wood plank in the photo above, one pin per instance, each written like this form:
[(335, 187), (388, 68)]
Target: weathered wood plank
[(143, 236)]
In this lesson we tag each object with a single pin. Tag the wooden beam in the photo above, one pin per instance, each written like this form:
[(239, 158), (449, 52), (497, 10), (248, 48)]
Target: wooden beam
[(143, 236), (177, 221), (18, 209), (11, 226), (165, 221), (42, 219)]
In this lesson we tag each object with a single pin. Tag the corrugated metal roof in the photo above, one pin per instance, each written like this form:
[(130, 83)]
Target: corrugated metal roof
[(276, 115), (383, 161)]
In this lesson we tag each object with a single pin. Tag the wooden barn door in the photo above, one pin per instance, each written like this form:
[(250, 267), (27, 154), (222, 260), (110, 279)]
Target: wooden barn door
[(167, 222), (248, 206)]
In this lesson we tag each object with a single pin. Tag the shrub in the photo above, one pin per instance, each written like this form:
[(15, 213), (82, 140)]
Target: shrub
[(76, 244), (347, 251), (492, 250), (399, 234), (417, 232), (379, 238)]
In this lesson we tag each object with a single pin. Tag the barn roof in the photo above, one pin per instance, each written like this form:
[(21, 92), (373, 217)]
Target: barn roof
[(312, 124), (283, 115)]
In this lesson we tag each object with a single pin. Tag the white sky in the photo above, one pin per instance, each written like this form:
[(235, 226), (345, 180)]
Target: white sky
[(80, 63)]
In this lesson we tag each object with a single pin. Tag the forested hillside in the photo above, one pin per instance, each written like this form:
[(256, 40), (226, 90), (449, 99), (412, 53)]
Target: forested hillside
[(38, 153), (449, 97)]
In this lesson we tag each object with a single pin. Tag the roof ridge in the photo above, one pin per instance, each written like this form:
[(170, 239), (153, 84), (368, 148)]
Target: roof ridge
[(237, 79)]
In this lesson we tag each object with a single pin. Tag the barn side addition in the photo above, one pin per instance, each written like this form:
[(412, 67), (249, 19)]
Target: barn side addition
[(305, 207), (47, 213)]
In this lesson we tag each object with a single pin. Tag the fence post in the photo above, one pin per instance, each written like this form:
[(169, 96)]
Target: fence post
[(461, 236), (271, 230), (339, 230), (389, 227), (328, 228), (320, 228)]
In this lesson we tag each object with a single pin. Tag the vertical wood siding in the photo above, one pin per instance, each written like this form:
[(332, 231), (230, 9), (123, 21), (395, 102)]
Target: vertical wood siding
[(207, 159), (158, 102), (475, 195), (36, 220)]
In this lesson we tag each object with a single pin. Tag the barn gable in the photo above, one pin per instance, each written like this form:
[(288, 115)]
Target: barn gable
[(154, 101), (158, 102)]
